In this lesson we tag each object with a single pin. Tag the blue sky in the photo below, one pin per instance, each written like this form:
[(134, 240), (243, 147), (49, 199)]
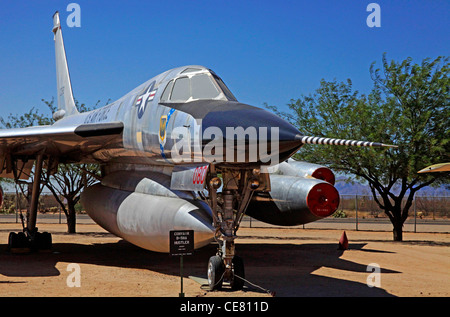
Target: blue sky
[(266, 51)]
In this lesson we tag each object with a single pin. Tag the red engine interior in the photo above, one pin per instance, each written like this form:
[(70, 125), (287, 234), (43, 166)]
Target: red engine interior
[(323, 200), (325, 174)]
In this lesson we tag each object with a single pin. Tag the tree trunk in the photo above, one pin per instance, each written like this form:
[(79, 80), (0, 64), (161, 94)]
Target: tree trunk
[(395, 216), (398, 229), (398, 233), (71, 217)]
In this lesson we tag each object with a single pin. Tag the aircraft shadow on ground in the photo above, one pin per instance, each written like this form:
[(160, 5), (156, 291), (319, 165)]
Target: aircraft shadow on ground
[(267, 265)]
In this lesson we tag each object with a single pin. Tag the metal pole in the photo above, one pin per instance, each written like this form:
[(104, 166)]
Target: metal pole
[(356, 208), (17, 205), (415, 215), (31, 221), (181, 275)]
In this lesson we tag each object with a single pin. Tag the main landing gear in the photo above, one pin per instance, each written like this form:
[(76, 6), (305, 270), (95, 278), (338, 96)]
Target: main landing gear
[(23, 242), (30, 239), (228, 209)]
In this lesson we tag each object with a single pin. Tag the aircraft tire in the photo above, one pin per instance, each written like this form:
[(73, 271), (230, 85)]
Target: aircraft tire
[(18, 242), (12, 240), (43, 241), (215, 273)]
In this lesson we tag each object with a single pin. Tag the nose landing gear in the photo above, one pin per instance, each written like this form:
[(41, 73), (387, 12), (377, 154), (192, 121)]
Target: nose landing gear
[(228, 210), (217, 273)]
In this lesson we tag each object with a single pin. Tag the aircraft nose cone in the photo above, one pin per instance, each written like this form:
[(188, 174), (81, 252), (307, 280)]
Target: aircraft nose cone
[(260, 131)]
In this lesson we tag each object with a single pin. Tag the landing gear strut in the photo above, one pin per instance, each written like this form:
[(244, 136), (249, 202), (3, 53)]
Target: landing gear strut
[(228, 209), (30, 239)]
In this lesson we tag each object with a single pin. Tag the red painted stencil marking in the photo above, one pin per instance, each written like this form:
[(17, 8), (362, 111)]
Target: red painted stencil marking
[(199, 175)]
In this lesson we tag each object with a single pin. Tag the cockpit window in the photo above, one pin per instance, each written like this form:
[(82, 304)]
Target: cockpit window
[(167, 90), (224, 88), (195, 87), (181, 89), (203, 87), (190, 70)]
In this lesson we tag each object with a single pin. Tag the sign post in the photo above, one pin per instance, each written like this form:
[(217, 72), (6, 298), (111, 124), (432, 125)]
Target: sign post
[(181, 243)]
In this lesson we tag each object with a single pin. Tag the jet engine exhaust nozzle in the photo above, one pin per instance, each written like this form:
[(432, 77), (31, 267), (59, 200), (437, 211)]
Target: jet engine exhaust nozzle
[(323, 200)]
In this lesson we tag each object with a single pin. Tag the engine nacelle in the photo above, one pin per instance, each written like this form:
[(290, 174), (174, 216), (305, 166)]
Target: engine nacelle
[(294, 200), (142, 210), (306, 170)]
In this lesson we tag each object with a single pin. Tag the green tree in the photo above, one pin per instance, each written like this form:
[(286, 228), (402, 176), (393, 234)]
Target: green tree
[(68, 181), (408, 106), (28, 119), (66, 186)]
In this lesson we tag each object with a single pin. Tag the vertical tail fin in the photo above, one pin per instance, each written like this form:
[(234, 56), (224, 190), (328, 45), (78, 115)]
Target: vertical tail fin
[(66, 103)]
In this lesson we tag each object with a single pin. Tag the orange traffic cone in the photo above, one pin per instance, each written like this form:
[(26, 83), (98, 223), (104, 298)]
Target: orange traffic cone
[(343, 242)]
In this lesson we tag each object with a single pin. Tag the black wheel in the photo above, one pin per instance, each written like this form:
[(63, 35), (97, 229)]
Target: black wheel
[(18, 242), (12, 241), (238, 280), (23, 240), (47, 240), (215, 272), (43, 241)]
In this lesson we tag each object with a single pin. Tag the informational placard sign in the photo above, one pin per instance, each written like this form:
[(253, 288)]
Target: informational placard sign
[(181, 242)]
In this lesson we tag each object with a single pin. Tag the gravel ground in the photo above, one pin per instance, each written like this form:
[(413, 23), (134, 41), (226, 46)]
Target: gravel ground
[(291, 262)]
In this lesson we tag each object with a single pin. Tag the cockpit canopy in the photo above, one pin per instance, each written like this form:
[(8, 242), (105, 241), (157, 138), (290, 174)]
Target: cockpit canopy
[(196, 84)]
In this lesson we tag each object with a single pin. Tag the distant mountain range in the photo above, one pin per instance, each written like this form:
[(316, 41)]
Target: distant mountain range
[(356, 188)]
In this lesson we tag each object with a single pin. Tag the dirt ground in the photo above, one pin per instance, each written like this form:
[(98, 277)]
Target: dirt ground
[(284, 262)]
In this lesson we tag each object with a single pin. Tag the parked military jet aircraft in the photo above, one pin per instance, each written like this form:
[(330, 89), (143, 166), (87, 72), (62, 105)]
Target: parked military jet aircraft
[(178, 152)]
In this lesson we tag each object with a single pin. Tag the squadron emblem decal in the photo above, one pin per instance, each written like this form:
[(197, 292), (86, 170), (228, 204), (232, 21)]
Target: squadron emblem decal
[(162, 129)]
